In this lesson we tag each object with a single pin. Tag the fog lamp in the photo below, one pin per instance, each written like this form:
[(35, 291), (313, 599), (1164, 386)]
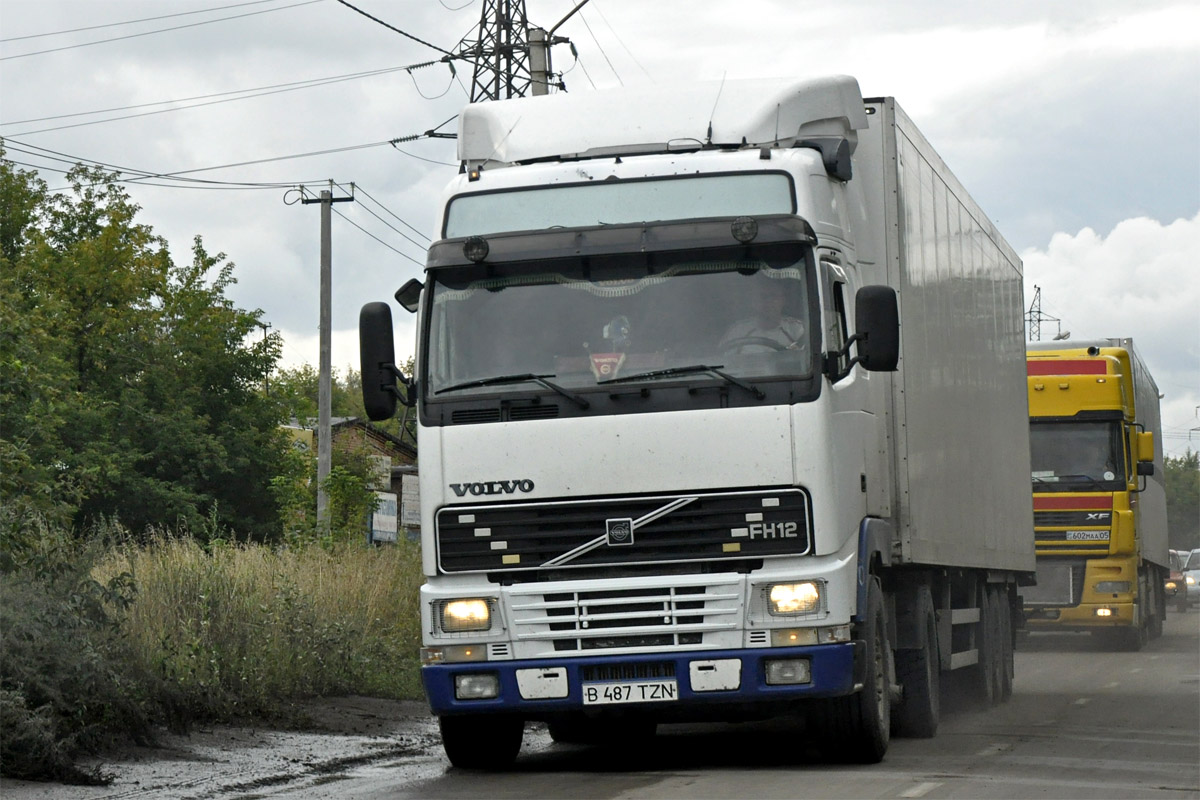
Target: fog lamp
[(1106, 587), (477, 686), (465, 615), (788, 671), (791, 599)]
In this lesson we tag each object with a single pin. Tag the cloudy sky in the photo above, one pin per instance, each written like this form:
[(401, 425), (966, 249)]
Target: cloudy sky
[(1076, 125)]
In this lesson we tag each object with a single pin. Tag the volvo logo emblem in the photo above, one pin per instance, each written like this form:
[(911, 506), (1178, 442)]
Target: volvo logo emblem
[(619, 531), (493, 487)]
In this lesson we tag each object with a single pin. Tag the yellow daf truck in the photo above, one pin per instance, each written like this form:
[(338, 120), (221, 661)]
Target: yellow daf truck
[(1099, 505)]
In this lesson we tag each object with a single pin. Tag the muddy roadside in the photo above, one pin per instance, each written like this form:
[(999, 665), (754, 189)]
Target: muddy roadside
[(331, 735)]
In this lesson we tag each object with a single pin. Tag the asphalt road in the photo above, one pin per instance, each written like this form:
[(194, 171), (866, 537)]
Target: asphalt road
[(1082, 723)]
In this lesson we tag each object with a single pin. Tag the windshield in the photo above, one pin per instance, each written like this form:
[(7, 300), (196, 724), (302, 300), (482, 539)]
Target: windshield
[(1193, 561), (617, 202), (1085, 455), (640, 318)]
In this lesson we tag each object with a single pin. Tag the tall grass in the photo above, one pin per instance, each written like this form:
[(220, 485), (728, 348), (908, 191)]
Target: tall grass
[(233, 629)]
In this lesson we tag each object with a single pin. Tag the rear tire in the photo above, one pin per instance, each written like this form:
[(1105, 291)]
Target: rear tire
[(984, 677), (482, 742), (919, 674), (1007, 669)]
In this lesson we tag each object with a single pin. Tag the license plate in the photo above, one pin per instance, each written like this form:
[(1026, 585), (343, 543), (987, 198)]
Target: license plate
[(595, 694)]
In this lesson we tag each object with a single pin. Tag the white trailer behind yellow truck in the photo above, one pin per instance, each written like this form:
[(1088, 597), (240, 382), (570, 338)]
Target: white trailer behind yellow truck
[(720, 417)]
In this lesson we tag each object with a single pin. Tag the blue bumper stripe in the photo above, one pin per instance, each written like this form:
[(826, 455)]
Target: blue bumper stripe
[(832, 675)]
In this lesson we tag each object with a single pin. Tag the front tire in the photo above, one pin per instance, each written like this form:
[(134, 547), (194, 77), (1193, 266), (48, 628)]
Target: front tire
[(481, 742), (857, 727)]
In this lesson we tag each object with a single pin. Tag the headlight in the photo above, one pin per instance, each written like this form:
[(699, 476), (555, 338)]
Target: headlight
[(1113, 587), (791, 599), (1191, 581), (457, 616)]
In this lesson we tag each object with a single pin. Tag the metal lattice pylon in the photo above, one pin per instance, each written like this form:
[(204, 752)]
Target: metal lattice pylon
[(501, 53)]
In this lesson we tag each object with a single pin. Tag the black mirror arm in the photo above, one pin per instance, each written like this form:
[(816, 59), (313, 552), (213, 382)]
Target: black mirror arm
[(406, 397), (833, 356)]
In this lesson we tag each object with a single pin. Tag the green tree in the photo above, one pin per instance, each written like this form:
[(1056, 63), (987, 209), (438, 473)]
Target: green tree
[(1182, 477), (132, 385)]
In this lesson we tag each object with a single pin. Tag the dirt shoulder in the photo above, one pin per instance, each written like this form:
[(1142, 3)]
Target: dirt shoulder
[(218, 761)]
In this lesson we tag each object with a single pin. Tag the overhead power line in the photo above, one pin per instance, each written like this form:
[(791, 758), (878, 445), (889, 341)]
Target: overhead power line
[(159, 30), (246, 94), (397, 30), (133, 21)]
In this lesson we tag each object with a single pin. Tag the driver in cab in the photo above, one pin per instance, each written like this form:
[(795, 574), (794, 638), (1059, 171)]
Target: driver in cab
[(767, 329)]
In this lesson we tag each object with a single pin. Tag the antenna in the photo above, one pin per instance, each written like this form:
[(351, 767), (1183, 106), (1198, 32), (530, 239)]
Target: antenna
[(713, 113)]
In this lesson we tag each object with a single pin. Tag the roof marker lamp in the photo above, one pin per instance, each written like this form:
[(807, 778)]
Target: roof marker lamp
[(744, 229), (475, 249), (458, 616)]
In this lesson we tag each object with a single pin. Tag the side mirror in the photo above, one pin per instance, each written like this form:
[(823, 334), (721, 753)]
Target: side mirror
[(378, 361), (877, 320), (1145, 468), (1145, 446), (409, 295)]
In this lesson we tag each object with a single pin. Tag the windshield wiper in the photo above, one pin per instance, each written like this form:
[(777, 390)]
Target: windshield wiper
[(709, 369), (1072, 478), (524, 377)]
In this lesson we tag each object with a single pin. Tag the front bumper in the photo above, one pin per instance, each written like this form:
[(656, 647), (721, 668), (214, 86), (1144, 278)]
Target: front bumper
[(1080, 618), (832, 669)]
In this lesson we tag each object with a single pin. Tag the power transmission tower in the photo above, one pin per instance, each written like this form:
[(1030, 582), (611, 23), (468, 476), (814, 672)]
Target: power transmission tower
[(501, 53), (1034, 319)]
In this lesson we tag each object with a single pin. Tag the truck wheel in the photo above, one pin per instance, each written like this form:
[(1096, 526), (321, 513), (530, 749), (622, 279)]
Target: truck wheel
[(857, 727), (984, 677), (481, 742), (1005, 642), (1155, 585), (919, 674)]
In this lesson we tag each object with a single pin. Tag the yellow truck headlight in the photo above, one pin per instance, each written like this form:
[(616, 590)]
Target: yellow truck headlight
[(1113, 587), (457, 616), (791, 599)]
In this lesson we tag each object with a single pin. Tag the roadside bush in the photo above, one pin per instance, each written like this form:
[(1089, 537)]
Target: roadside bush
[(65, 684)]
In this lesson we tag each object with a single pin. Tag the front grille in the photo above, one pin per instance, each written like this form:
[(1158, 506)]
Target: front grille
[(581, 534), (541, 411), (474, 416), (624, 619), (1074, 519), (628, 672)]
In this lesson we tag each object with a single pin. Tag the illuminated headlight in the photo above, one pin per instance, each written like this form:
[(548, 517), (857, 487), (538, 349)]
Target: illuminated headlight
[(792, 599), (787, 671), (1191, 580), (1104, 612), (456, 616), (1107, 587), (479, 686), (1172, 586)]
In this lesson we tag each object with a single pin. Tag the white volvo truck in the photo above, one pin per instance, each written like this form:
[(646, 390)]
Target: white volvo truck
[(722, 416)]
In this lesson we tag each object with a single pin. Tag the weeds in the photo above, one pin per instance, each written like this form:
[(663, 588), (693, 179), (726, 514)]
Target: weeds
[(101, 639)]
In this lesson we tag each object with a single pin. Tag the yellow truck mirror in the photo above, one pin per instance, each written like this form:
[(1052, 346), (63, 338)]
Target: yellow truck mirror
[(1145, 443)]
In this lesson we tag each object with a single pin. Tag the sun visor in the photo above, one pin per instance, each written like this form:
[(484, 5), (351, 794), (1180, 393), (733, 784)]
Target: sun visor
[(660, 119)]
